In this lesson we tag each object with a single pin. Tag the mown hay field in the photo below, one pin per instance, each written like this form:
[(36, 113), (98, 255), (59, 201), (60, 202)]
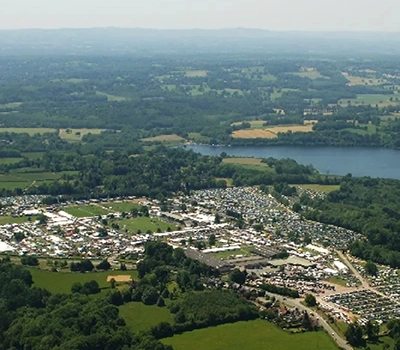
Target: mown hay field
[(163, 138), (251, 335), (253, 134)]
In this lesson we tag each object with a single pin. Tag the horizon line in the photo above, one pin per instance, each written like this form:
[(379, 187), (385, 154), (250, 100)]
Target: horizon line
[(330, 31)]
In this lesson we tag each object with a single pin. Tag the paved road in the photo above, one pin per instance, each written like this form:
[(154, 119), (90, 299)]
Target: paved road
[(364, 282), (342, 343)]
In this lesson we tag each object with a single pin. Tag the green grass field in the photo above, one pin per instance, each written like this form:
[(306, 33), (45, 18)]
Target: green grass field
[(144, 224), (225, 255), (76, 134), (30, 131), (11, 185), (4, 220), (245, 161), (314, 74), (121, 206), (86, 210), (251, 335), (23, 177), (379, 345), (9, 160), (337, 280), (141, 317), (112, 98), (33, 155), (10, 105), (321, 188), (381, 100), (196, 73), (278, 93), (61, 282), (198, 138)]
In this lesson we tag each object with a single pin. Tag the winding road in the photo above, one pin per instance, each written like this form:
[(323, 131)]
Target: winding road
[(342, 343)]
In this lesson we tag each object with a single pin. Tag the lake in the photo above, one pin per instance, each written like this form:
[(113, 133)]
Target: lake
[(374, 162)]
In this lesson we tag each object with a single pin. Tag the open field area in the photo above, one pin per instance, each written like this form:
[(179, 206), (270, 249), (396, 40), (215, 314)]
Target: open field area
[(61, 282), (10, 105), (120, 206), (251, 335), (255, 124), (140, 317), (76, 134), (279, 92), (33, 155), (321, 188), (112, 98), (164, 138), (23, 177), (4, 220), (145, 224), (9, 160), (355, 80), (244, 250), (245, 161), (85, 210), (30, 131), (292, 128), (253, 134), (312, 74), (381, 100), (196, 73), (198, 138)]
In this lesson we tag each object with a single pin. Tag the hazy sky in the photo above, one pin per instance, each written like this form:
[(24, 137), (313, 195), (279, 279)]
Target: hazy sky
[(370, 15)]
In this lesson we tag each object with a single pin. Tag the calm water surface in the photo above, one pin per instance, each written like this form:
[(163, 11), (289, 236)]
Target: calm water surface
[(374, 162)]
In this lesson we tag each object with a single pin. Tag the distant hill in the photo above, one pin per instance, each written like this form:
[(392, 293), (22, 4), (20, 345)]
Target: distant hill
[(152, 41)]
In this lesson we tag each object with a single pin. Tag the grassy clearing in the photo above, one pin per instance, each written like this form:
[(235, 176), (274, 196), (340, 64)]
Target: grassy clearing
[(321, 188), (164, 138), (30, 131), (112, 98), (293, 128), (121, 206), (253, 134), (254, 124), (245, 161), (379, 345), (229, 182), (227, 255), (196, 73), (5, 220), (86, 210), (145, 224), (355, 80), (198, 138), (381, 100), (33, 155), (76, 134), (140, 317), (61, 282), (337, 280), (10, 105), (9, 160), (279, 92), (251, 335), (10, 185), (312, 74)]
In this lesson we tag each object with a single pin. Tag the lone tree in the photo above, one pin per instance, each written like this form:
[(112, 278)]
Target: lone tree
[(354, 334), (310, 300), (211, 240), (371, 269), (237, 276)]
